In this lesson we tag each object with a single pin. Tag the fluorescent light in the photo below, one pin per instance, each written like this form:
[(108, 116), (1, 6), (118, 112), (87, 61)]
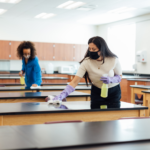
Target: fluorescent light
[(3, 1), (74, 5), (14, 1), (9, 1), (70, 5), (65, 4), (48, 16), (40, 15), (122, 9), (2, 11), (127, 9), (45, 15)]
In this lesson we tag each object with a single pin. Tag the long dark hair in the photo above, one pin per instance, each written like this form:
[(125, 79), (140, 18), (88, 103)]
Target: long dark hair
[(25, 45), (103, 48)]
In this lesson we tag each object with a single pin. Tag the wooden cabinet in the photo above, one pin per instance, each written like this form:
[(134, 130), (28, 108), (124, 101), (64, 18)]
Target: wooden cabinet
[(69, 52), (4, 81), (48, 51), (55, 75), (126, 89), (58, 81), (70, 78), (13, 49), (4, 50), (45, 51), (39, 49), (77, 52), (84, 49), (63, 52), (59, 52)]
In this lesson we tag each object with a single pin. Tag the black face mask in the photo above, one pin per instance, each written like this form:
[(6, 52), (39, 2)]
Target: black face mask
[(94, 55)]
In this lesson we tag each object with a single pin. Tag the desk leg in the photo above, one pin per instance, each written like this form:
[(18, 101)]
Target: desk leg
[(1, 120), (147, 105), (142, 113), (86, 98), (144, 99), (132, 96)]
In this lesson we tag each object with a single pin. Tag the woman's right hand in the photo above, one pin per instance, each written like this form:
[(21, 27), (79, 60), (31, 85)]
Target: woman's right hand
[(21, 73)]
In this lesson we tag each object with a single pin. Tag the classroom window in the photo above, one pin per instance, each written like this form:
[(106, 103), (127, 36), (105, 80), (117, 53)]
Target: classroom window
[(121, 41)]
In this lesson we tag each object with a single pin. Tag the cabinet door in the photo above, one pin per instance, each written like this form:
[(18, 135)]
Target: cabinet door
[(48, 51), (69, 52), (84, 49), (59, 52), (4, 50), (13, 49), (77, 52), (39, 50), (62, 56)]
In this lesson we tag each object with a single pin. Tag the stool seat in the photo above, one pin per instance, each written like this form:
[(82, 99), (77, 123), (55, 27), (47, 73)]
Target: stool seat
[(138, 101), (2, 85)]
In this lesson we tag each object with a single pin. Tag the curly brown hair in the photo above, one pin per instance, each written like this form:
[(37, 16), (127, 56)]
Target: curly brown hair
[(26, 45)]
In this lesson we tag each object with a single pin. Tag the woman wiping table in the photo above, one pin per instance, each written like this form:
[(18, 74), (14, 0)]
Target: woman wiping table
[(98, 61), (30, 64)]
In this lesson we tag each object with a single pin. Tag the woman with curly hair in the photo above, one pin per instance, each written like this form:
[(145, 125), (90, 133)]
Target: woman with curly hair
[(30, 64)]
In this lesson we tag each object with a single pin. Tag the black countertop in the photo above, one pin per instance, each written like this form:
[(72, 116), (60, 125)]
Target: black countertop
[(50, 78), (22, 88), (105, 134), (25, 95), (140, 86), (18, 84), (138, 145), (145, 91), (128, 77), (44, 107), (147, 80)]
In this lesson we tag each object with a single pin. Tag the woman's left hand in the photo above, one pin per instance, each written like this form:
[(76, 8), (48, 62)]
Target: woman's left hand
[(34, 85), (114, 79), (106, 80)]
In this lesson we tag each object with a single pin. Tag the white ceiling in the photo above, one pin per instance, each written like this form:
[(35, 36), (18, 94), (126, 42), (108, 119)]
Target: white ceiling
[(27, 9)]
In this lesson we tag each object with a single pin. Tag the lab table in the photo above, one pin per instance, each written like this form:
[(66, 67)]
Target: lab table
[(43, 84), (137, 89), (39, 96), (109, 135), (38, 113)]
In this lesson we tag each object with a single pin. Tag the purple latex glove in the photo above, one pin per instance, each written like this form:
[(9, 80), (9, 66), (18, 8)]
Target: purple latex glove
[(69, 89), (61, 107), (107, 80), (47, 99)]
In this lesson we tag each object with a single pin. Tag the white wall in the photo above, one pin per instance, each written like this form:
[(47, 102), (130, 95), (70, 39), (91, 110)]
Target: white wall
[(142, 38), (4, 65), (43, 32), (16, 65), (46, 32)]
